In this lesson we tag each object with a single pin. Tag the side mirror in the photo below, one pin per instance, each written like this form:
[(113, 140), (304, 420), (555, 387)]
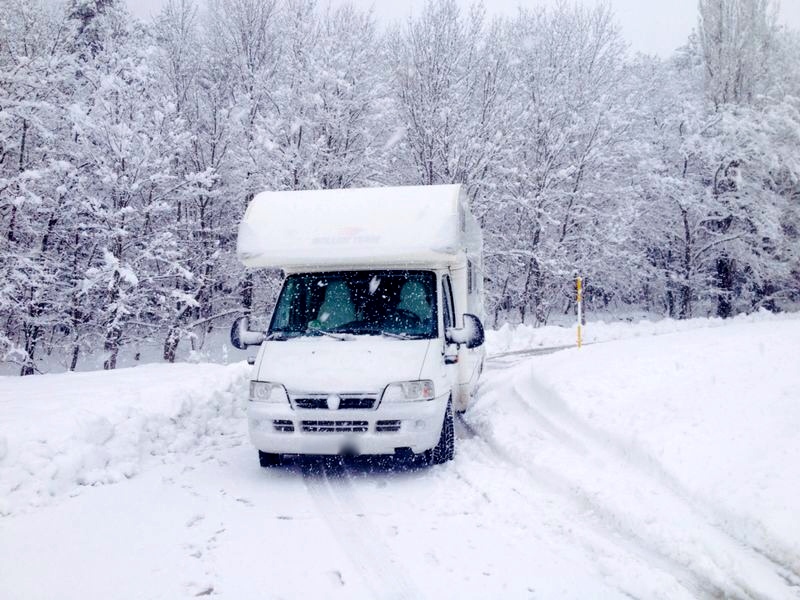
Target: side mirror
[(242, 337), (471, 334)]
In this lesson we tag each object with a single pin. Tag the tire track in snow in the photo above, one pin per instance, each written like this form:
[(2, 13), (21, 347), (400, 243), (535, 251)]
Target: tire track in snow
[(380, 570), (560, 419), (528, 352), (784, 568), (579, 441), (584, 508)]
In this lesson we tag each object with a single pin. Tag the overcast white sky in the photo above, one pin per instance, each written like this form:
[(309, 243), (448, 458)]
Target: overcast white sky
[(651, 26)]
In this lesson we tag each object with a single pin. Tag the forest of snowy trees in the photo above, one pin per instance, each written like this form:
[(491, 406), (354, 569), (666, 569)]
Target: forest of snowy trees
[(129, 150)]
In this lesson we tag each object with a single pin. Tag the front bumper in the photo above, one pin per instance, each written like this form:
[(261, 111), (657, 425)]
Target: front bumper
[(280, 429)]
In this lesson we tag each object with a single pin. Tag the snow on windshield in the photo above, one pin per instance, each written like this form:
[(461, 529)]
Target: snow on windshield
[(373, 284), (391, 302)]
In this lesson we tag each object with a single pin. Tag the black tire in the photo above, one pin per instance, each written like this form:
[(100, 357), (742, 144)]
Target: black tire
[(446, 448), (267, 459)]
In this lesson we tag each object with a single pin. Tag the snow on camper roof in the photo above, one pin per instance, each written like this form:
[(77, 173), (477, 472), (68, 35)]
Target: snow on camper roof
[(380, 225)]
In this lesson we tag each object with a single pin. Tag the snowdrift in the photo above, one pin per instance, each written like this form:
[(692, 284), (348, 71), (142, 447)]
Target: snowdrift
[(61, 432)]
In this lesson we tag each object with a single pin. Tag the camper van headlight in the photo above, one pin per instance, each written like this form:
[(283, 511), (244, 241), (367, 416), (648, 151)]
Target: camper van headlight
[(409, 391), (264, 391)]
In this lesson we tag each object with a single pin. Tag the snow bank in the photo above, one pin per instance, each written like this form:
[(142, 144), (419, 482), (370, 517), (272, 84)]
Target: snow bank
[(510, 338), (687, 443), (60, 432)]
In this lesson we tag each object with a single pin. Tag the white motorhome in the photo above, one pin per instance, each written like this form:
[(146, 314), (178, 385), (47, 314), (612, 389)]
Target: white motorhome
[(376, 337)]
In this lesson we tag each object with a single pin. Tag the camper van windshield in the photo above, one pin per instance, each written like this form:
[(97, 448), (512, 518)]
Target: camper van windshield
[(390, 303)]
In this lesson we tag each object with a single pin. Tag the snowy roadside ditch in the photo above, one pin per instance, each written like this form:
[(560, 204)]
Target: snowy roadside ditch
[(62, 432)]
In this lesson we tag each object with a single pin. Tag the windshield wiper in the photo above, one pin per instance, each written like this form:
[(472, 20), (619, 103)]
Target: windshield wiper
[(337, 336), (390, 334), (400, 336)]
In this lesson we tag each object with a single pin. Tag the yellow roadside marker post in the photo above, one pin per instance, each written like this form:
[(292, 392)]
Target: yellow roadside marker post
[(579, 285)]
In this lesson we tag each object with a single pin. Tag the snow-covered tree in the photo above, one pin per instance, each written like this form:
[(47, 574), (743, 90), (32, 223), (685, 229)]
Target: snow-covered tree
[(557, 193), (736, 39), (129, 150), (35, 69), (450, 78), (320, 128)]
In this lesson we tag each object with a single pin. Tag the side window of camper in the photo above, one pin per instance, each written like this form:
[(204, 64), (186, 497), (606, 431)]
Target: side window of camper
[(283, 310), (447, 302), (470, 276)]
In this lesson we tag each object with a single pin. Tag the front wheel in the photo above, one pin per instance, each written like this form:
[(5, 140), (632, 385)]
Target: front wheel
[(445, 449), (267, 459)]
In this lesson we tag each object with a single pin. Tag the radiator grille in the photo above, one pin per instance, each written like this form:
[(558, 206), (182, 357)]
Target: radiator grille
[(346, 401), (311, 403), (354, 402), (334, 426), (387, 426), (283, 425)]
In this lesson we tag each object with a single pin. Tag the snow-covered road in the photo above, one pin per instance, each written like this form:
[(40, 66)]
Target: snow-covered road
[(627, 469), (481, 527)]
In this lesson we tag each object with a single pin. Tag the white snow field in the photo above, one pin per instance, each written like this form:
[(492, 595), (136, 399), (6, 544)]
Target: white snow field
[(664, 466)]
